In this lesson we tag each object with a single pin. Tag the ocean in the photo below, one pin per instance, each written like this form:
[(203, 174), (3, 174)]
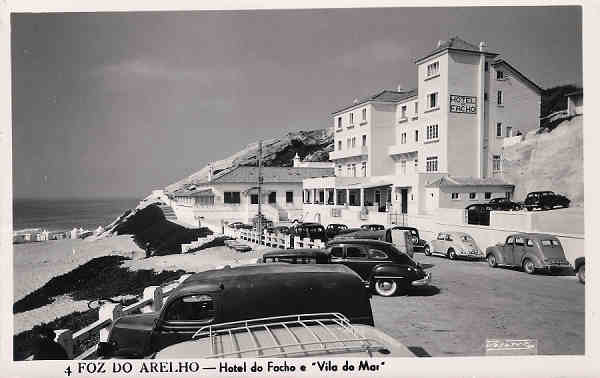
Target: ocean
[(65, 214)]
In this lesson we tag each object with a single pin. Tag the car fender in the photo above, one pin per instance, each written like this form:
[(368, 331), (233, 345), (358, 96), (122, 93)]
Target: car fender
[(580, 261), (496, 251), (396, 271), (131, 335), (532, 257)]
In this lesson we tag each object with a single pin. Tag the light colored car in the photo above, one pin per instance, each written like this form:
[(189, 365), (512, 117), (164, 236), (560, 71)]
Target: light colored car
[(454, 245)]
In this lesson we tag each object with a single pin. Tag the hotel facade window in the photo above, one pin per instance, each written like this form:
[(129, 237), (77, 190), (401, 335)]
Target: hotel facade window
[(454, 196), (403, 111), (508, 131), (339, 123), (499, 75), (472, 196), (353, 142), (416, 135), (433, 69), (432, 132), (289, 197), (403, 138), (432, 102), (432, 164), (231, 197), (416, 108), (403, 167), (363, 168), (496, 163), (364, 140), (499, 129), (351, 118), (499, 98), (348, 141), (254, 199), (364, 114), (339, 145), (488, 195), (353, 170), (273, 197)]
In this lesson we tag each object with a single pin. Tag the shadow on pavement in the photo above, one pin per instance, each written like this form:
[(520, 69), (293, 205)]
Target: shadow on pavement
[(418, 351), (424, 291)]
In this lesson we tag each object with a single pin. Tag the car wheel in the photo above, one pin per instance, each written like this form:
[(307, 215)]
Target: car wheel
[(491, 259), (517, 208), (529, 208), (385, 288), (528, 266), (581, 274), (452, 254), (427, 251)]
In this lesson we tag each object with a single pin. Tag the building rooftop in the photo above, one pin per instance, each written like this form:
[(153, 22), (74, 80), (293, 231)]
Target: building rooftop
[(454, 43), (449, 181), (386, 95), (242, 174)]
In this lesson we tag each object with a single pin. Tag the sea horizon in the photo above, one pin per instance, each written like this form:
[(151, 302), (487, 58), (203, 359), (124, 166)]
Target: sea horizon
[(64, 213)]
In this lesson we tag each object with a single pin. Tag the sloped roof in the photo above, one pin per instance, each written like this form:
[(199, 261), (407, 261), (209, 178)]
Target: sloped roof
[(242, 174), (454, 43), (386, 95), (512, 68), (467, 181)]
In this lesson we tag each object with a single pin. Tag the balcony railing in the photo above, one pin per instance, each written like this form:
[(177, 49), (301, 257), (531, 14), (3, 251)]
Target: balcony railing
[(351, 152), (398, 149)]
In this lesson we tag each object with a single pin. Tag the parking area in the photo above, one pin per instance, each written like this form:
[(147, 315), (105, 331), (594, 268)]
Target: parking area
[(470, 302)]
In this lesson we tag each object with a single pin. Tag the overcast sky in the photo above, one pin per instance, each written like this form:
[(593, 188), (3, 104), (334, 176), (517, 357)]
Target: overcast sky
[(118, 104)]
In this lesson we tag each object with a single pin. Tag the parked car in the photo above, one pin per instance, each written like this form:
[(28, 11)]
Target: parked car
[(372, 227), (284, 306), (529, 251), (235, 225), (418, 243), (545, 200), (309, 230), (479, 213), (580, 269), (334, 229), (381, 265), (295, 256), (401, 238), (504, 204), (279, 230), (454, 245)]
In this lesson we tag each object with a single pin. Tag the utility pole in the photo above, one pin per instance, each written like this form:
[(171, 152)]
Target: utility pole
[(260, 181)]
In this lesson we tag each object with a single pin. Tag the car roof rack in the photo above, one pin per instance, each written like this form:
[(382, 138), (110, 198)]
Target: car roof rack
[(286, 336)]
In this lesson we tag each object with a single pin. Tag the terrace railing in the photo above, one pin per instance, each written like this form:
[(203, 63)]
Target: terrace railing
[(275, 240)]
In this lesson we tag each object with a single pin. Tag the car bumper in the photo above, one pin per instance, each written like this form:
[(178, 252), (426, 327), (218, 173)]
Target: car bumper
[(423, 281), (556, 266)]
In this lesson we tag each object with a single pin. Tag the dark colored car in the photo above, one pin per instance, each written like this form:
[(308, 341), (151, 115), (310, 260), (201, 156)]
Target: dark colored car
[(372, 227), (295, 256), (313, 231), (479, 213), (388, 236), (529, 251), (266, 294), (580, 269), (545, 200), (381, 265), (504, 204), (279, 230), (334, 229)]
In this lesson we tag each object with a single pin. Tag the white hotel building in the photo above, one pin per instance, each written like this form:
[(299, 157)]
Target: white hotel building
[(392, 148)]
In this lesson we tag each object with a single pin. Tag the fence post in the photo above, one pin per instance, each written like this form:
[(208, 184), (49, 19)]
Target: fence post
[(110, 311), (64, 337), (156, 294)]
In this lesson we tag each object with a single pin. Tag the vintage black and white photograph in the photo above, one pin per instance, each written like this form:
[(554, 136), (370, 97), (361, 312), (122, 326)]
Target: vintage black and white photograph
[(298, 183)]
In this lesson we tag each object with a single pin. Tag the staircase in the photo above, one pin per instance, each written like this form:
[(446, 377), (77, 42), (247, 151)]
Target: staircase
[(168, 212)]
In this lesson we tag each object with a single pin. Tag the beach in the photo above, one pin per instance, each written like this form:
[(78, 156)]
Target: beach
[(37, 263)]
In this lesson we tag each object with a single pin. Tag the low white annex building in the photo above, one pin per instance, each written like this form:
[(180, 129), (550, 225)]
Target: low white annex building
[(390, 146)]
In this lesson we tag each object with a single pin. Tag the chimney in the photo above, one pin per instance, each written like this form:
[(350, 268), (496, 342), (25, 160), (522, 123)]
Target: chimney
[(399, 88), (355, 101), (482, 46), (210, 171), (440, 42)]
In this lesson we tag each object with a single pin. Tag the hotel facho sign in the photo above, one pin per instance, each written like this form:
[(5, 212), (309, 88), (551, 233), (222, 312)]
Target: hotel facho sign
[(463, 104)]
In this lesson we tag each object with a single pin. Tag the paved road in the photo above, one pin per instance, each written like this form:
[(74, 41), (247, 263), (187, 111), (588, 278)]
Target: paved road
[(470, 302)]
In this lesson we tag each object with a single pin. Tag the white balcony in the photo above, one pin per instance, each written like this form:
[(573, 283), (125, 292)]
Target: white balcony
[(399, 149), (347, 153)]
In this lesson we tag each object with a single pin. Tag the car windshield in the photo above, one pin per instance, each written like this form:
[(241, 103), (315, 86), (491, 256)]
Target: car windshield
[(550, 243)]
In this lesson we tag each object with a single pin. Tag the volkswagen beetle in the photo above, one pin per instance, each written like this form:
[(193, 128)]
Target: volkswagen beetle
[(454, 245)]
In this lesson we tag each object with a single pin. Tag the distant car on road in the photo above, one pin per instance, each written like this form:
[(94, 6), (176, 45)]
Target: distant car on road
[(381, 265), (454, 245), (372, 227), (504, 204), (270, 310), (334, 229), (529, 251), (545, 200), (580, 269)]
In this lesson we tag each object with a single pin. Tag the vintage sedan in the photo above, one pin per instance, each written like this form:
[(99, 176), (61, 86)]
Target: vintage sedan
[(398, 235), (454, 245), (372, 227), (282, 306), (314, 231), (529, 251), (545, 200), (334, 229), (504, 204), (381, 265), (295, 256)]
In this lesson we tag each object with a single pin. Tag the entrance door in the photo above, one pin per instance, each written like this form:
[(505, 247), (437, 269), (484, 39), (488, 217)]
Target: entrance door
[(404, 201)]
